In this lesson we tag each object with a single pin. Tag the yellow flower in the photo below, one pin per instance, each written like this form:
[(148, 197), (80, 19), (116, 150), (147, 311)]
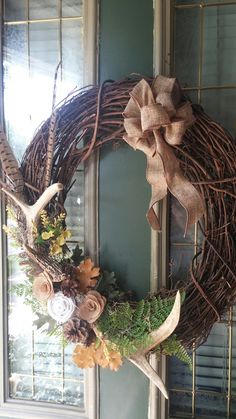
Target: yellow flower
[(55, 249), (47, 235), (60, 240), (66, 234)]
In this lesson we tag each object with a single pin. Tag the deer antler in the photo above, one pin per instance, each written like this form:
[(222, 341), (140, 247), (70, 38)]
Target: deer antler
[(12, 171), (32, 212), (142, 363), (163, 332)]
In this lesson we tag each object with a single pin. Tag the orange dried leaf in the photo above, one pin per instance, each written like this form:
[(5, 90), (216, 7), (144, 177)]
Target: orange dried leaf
[(87, 275), (100, 358), (105, 357), (88, 356), (115, 360), (83, 356)]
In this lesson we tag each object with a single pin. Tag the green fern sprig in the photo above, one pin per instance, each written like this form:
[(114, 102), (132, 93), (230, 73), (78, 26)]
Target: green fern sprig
[(128, 326), (173, 347), (24, 290)]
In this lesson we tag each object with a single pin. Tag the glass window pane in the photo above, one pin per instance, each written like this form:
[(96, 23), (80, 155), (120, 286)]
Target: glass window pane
[(72, 8), (211, 361), (186, 46), (72, 52), (16, 86), (211, 406), (70, 372), (181, 405), (220, 105), (233, 406), (47, 390), (221, 2), (75, 209), (180, 260), (40, 368), (73, 393), (180, 376), (186, 2), (219, 45), (15, 10), (210, 399), (44, 57), (234, 316), (43, 9), (197, 2), (178, 221), (191, 95), (233, 361)]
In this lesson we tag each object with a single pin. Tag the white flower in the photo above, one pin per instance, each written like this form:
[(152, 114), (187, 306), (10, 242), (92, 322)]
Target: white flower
[(60, 307)]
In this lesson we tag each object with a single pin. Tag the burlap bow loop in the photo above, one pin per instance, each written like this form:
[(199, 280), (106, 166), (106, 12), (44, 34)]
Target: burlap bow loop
[(136, 138), (155, 119), (167, 92)]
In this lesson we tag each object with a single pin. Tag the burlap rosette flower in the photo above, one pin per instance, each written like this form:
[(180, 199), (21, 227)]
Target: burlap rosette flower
[(42, 287), (60, 307), (91, 307)]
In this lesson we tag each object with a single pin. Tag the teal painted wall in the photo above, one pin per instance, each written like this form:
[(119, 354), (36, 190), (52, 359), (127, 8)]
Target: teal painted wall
[(126, 38), (126, 45)]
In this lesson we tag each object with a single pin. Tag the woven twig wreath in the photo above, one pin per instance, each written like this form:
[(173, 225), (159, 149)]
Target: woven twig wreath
[(93, 117)]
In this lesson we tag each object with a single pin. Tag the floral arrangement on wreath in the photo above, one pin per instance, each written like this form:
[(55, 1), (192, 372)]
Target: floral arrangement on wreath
[(86, 306), (68, 291)]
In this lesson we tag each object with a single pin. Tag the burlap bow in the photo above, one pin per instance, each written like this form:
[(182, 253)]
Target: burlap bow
[(155, 120)]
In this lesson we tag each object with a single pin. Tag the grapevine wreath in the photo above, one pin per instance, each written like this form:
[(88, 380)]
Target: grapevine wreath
[(189, 155)]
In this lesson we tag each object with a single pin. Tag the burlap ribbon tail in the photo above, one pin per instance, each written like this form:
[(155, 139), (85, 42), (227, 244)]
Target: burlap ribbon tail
[(154, 120)]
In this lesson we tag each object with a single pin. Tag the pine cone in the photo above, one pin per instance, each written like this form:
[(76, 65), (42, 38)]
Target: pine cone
[(70, 287), (76, 330)]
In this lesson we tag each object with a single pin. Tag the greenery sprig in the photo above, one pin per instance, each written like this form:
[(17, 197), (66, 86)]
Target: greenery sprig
[(52, 232), (128, 325), (173, 347)]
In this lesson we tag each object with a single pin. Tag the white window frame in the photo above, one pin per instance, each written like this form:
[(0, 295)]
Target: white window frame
[(22, 409), (159, 240)]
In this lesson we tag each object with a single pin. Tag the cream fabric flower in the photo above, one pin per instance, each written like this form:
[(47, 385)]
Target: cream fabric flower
[(42, 287), (60, 307), (91, 307)]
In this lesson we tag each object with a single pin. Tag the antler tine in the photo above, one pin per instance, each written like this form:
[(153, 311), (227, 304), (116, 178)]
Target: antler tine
[(32, 212), (157, 336), (141, 362)]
